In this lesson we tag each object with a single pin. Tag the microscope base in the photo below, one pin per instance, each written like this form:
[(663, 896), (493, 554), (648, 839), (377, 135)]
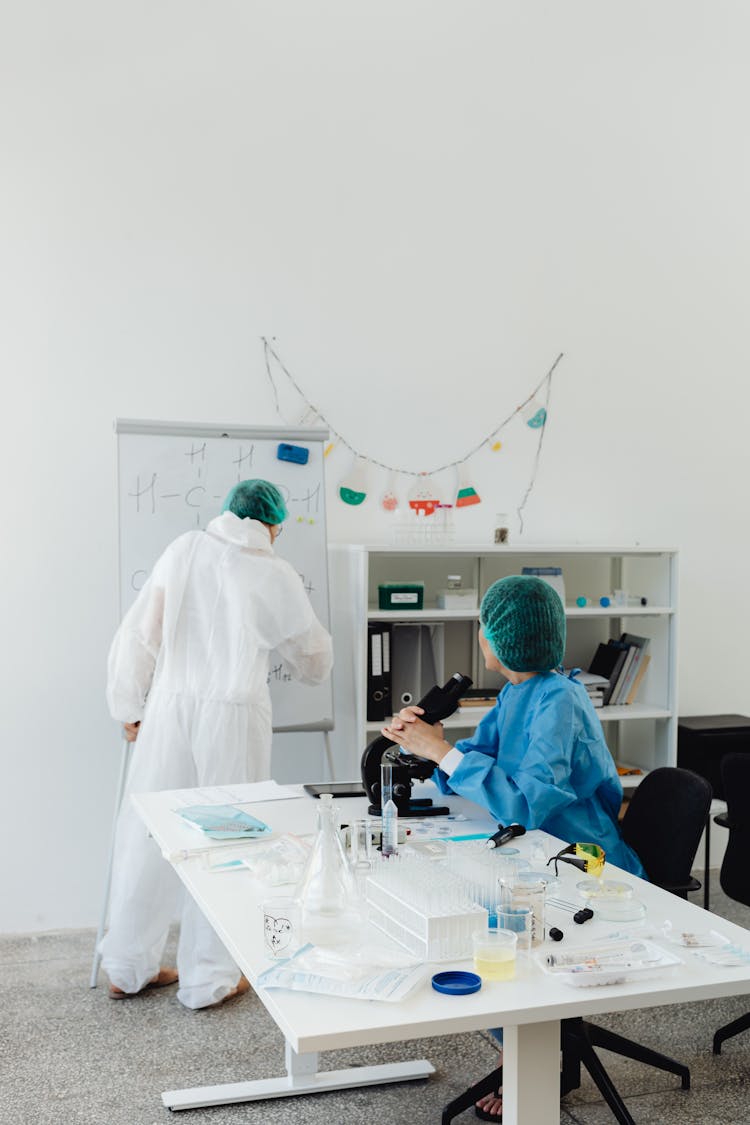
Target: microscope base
[(420, 806)]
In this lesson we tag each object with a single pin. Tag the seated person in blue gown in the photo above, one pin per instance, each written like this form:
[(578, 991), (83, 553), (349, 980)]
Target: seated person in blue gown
[(538, 758)]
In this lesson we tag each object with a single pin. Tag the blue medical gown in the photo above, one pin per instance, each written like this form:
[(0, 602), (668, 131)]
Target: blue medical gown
[(539, 759)]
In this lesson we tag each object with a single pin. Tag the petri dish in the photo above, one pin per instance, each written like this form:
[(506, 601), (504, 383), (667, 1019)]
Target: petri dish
[(618, 909), (604, 889)]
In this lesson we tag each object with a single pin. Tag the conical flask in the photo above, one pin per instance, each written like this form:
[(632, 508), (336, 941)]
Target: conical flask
[(326, 890)]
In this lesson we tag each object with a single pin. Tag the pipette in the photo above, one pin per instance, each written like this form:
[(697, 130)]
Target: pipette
[(504, 834)]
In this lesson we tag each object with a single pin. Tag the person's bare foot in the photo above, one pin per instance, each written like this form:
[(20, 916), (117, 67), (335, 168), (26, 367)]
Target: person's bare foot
[(243, 985), (492, 1105), (162, 979)]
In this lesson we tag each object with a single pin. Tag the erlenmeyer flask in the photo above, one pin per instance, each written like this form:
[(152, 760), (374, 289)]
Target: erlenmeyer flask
[(326, 891)]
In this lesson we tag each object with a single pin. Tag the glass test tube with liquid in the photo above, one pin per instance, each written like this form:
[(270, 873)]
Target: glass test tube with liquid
[(389, 814)]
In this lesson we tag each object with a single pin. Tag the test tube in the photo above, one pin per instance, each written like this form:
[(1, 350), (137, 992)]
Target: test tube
[(389, 816)]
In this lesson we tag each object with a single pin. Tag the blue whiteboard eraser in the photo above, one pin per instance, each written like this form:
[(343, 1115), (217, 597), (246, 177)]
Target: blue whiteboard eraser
[(296, 453)]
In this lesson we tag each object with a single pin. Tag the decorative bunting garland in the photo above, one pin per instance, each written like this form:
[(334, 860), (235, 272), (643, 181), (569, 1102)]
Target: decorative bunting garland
[(423, 496)]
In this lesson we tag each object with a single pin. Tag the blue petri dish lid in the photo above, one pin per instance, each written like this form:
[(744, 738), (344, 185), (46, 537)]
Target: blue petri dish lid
[(456, 983)]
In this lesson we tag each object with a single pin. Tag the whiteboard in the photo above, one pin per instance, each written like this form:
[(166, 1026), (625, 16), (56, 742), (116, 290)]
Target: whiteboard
[(173, 477)]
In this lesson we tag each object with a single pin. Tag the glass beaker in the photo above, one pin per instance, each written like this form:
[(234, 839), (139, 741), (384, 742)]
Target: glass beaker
[(532, 895), (281, 926), (520, 921), (360, 844), (495, 954)]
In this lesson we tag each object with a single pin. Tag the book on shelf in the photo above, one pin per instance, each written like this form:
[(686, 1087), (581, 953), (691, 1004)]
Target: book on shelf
[(642, 666), (623, 663), (590, 680), (639, 646), (593, 684), (617, 691), (607, 662)]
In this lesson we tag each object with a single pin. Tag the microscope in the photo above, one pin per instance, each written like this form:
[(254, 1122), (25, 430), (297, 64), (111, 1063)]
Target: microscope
[(437, 704)]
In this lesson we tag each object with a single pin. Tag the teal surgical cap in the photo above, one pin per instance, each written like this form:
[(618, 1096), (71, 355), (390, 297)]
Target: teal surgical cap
[(523, 619), (256, 500)]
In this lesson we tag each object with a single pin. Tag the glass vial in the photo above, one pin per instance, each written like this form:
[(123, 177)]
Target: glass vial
[(502, 527)]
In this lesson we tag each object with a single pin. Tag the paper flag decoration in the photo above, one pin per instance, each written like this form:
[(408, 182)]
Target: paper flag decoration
[(389, 499), (423, 495), (353, 489), (466, 493), (534, 415)]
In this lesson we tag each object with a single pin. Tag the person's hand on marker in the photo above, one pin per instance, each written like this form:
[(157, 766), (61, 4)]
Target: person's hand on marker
[(131, 731), (417, 737)]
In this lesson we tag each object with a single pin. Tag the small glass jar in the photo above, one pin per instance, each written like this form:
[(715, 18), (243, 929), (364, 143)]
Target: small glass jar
[(531, 895), (502, 528)]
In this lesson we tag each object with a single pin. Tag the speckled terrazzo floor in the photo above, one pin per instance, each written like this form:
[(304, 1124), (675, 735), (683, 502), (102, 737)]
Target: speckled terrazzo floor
[(71, 1056)]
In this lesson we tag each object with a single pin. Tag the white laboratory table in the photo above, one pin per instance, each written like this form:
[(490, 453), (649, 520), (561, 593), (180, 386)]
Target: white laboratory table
[(529, 1008)]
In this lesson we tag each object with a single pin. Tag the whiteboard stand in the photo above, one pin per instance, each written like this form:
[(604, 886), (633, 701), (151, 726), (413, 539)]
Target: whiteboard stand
[(126, 746), (329, 755)]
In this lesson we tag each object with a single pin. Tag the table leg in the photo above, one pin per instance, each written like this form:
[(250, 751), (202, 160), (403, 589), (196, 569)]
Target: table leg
[(302, 1077), (531, 1074), (707, 865)]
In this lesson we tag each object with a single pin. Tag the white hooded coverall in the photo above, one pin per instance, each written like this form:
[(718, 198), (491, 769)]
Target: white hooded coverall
[(190, 660)]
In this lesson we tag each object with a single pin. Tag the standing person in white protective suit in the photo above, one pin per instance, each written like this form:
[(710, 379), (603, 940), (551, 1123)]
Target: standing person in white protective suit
[(187, 675)]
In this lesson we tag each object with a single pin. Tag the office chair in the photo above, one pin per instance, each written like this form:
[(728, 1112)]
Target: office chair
[(663, 824), (734, 876)]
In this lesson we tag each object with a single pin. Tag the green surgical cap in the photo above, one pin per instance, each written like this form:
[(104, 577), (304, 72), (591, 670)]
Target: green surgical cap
[(523, 619), (256, 500)]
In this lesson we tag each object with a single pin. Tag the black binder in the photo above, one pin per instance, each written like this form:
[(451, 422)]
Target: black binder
[(379, 705)]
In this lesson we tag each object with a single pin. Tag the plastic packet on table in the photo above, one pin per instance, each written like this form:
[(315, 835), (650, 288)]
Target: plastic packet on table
[(224, 822), (694, 939), (608, 963), (356, 972), (275, 863), (728, 955)]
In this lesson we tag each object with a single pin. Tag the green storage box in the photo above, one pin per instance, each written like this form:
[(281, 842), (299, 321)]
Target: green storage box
[(401, 595)]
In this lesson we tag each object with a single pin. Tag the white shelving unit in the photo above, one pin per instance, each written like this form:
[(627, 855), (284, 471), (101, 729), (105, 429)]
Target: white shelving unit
[(642, 734)]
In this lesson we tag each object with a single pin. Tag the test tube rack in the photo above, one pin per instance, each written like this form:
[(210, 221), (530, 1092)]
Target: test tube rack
[(434, 919)]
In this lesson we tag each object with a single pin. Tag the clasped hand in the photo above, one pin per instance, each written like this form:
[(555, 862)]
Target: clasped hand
[(417, 737)]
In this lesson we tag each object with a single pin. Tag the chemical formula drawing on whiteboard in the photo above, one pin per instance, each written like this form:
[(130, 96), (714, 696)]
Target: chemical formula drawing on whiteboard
[(174, 477)]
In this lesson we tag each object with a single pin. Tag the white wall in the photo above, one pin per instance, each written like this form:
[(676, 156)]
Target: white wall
[(424, 202)]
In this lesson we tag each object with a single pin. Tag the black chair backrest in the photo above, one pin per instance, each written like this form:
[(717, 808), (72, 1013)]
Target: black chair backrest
[(664, 822), (735, 867)]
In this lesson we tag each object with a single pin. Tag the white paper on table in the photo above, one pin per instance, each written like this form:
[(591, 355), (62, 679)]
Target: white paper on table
[(248, 793)]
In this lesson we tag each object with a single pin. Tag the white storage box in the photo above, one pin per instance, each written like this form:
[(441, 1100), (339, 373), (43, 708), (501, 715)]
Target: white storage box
[(458, 599)]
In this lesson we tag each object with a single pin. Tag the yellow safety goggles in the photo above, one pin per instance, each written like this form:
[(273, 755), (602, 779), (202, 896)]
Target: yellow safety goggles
[(586, 857)]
